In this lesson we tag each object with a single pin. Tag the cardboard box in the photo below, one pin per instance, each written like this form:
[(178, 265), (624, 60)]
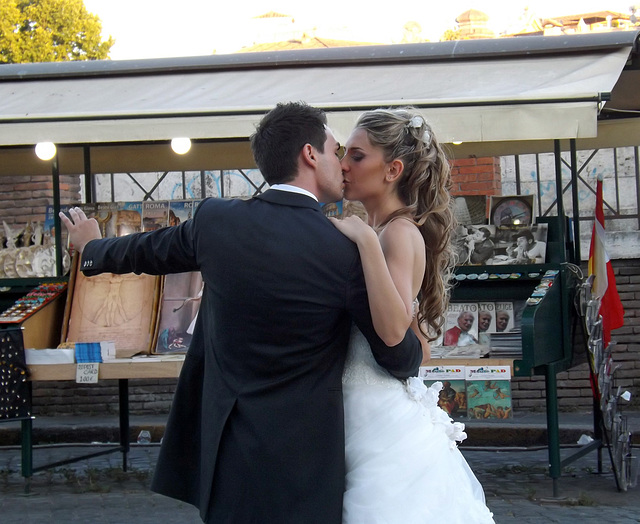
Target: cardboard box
[(41, 323)]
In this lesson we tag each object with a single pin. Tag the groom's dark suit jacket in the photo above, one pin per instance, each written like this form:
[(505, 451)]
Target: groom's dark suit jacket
[(255, 433)]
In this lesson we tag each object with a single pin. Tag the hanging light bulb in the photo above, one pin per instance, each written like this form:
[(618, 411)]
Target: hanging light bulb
[(181, 145), (45, 150)]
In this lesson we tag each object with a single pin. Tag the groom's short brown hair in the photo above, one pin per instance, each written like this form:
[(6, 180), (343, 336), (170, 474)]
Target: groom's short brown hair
[(281, 135)]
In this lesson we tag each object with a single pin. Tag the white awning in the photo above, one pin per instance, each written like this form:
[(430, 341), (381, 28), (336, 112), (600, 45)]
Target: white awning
[(467, 98)]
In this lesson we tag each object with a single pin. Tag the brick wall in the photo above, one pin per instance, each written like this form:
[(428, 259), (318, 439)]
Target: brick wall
[(574, 389), (25, 199), (627, 338), (146, 396), (476, 176)]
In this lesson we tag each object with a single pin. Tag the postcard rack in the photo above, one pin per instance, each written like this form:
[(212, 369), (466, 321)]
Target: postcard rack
[(610, 424)]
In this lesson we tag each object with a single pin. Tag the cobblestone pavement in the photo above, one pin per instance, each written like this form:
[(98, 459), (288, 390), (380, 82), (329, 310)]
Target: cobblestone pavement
[(97, 491)]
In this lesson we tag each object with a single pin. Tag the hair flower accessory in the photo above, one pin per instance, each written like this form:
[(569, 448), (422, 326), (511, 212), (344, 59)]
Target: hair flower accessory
[(416, 121)]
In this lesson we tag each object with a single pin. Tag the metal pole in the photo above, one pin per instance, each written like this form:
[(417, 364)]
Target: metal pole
[(558, 159), (538, 185), (575, 202), (637, 169), (123, 396), (88, 177), (55, 174), (26, 433), (553, 432)]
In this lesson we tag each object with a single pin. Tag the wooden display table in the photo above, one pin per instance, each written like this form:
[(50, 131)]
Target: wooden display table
[(471, 362), (122, 371)]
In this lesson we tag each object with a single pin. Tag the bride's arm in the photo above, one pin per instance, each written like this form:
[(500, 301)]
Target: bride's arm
[(390, 271)]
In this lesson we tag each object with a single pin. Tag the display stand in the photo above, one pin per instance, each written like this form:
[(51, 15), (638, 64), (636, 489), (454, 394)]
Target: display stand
[(121, 371), (547, 347), (15, 394), (610, 426)]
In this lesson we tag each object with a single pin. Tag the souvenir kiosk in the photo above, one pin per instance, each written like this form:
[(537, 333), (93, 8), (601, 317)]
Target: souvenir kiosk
[(119, 117)]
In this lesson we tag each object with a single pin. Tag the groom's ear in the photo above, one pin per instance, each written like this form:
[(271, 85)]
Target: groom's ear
[(308, 155)]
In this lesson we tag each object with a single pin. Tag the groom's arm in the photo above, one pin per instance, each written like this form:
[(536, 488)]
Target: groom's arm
[(160, 252), (402, 360), (167, 250)]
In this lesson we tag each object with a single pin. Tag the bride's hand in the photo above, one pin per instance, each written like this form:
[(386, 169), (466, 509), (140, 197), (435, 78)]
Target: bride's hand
[(353, 227)]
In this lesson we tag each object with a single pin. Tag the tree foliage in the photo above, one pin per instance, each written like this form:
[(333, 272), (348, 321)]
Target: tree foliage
[(451, 34), (50, 31)]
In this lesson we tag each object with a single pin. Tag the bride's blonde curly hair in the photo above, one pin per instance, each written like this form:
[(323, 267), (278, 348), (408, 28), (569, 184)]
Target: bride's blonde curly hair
[(424, 188)]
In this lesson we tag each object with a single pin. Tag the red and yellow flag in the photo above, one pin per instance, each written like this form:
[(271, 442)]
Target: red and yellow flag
[(604, 284)]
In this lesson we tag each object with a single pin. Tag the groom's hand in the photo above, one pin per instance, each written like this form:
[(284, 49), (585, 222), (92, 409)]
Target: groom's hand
[(81, 229)]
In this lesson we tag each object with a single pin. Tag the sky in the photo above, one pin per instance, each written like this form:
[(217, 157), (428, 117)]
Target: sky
[(169, 28)]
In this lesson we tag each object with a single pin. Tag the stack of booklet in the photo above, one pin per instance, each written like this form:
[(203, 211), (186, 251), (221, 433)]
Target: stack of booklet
[(506, 345), (481, 329), (474, 392)]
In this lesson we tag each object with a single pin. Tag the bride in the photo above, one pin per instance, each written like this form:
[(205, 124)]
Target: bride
[(403, 465)]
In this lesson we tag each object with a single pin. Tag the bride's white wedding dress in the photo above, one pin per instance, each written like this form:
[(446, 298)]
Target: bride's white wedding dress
[(403, 465)]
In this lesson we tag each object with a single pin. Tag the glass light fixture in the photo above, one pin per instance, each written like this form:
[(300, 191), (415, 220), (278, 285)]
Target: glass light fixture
[(45, 150), (181, 145)]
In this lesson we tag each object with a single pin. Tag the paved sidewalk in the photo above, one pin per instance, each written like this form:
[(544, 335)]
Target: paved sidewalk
[(523, 430), (98, 491)]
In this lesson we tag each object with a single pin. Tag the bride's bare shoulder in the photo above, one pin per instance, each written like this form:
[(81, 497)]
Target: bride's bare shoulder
[(403, 229)]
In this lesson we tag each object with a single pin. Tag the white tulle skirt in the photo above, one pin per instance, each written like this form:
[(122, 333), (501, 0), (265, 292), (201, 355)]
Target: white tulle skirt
[(403, 465)]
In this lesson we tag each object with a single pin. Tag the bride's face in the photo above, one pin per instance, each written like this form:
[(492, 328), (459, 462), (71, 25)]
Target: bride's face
[(363, 167)]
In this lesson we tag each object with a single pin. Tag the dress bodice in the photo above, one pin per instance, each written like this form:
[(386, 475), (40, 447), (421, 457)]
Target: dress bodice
[(361, 367)]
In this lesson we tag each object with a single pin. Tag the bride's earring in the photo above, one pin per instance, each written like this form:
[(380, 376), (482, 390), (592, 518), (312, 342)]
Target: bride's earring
[(391, 176)]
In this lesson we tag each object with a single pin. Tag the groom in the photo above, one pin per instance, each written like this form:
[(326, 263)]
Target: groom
[(255, 433)]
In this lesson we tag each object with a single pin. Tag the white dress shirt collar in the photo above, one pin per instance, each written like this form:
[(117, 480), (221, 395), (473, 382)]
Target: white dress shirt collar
[(293, 189)]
